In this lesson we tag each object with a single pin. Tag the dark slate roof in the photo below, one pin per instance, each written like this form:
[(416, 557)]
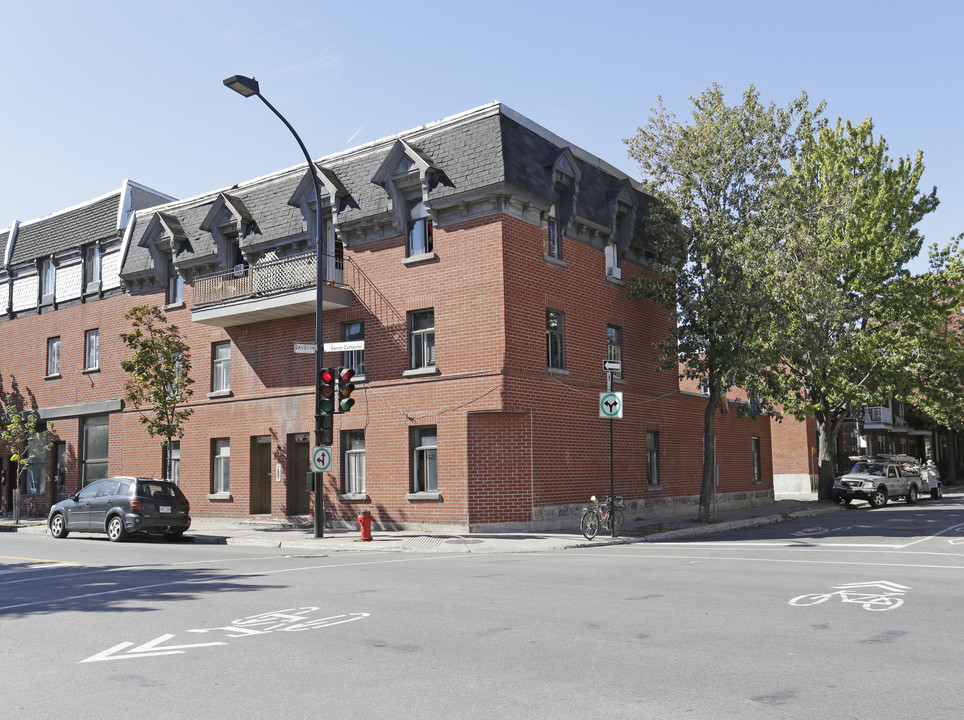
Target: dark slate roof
[(69, 229), (475, 150)]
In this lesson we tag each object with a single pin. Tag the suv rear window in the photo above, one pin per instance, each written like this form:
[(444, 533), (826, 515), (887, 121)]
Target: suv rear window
[(157, 489)]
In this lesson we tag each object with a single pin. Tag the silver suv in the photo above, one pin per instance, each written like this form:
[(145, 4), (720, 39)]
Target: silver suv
[(122, 505)]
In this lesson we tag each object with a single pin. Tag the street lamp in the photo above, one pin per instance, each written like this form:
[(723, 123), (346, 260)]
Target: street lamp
[(247, 87)]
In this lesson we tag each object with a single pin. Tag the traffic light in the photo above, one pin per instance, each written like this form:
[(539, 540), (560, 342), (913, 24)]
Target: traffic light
[(345, 389), (327, 385), (325, 434)]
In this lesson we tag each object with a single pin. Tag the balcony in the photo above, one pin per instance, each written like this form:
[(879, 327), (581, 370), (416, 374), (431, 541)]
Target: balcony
[(268, 291), (878, 418)]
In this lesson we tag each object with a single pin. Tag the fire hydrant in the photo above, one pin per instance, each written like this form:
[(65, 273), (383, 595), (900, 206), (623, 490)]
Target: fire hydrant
[(365, 524)]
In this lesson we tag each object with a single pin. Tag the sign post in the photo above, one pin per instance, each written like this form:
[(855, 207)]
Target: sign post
[(611, 406)]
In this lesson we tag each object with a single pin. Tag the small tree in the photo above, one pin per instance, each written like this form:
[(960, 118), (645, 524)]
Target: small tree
[(27, 444), (159, 384)]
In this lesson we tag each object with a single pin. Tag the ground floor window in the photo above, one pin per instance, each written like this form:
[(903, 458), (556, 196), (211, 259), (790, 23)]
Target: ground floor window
[(95, 453), (424, 442), (36, 470), (755, 444), (353, 444), (172, 453), (652, 458), (220, 466)]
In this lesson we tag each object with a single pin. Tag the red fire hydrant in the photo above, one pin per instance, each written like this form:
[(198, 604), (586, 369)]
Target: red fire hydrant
[(365, 524)]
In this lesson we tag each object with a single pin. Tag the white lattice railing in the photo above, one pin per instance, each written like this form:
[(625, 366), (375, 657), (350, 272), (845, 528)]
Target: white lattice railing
[(266, 278)]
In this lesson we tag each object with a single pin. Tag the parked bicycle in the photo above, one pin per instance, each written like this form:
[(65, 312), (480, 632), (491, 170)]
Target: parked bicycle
[(604, 512)]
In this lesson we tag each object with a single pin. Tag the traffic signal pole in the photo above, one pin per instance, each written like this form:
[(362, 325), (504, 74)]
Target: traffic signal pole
[(612, 469)]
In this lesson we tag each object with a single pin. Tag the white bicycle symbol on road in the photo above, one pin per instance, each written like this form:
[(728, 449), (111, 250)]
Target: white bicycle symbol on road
[(889, 598)]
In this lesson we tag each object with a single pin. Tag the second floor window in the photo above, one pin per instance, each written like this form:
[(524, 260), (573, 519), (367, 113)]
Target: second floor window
[(91, 349), (421, 338), (53, 356), (551, 245), (614, 342), (555, 336), (221, 366), (354, 359)]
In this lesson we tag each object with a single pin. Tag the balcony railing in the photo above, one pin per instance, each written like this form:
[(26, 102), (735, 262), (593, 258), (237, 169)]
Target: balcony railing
[(878, 418), (269, 278)]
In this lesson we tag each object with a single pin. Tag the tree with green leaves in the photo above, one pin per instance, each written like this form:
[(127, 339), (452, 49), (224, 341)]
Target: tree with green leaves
[(27, 440), (852, 318), (716, 178), (159, 382)]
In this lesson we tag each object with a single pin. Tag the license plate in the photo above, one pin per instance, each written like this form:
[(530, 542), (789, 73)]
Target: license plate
[(164, 508)]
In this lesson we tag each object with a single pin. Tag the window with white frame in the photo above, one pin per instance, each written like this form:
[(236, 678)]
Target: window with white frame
[(175, 285), (53, 356), (614, 347), (92, 349), (92, 268), (221, 366), (36, 470), (172, 452), (48, 278), (612, 262), (221, 466), (419, 229), (652, 457), (555, 340), (421, 339), (424, 441), (353, 462), (354, 359)]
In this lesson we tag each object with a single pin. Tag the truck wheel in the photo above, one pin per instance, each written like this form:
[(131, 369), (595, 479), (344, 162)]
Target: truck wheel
[(912, 495), (878, 499)]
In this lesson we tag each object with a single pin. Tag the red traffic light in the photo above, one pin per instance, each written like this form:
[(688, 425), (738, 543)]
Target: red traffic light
[(345, 374), (327, 375)]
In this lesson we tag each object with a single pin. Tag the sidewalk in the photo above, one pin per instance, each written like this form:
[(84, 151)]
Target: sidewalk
[(282, 535)]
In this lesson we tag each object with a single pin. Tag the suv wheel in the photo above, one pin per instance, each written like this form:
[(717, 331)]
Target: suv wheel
[(912, 495), (115, 529), (878, 499)]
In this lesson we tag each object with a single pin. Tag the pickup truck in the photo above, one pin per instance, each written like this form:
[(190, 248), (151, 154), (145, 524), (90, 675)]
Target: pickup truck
[(880, 480)]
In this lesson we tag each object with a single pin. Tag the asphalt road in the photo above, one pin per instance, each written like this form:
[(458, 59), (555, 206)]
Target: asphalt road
[(857, 614)]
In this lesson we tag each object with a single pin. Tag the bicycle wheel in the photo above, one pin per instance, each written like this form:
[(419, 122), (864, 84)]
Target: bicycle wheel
[(589, 524), (804, 600), (620, 523)]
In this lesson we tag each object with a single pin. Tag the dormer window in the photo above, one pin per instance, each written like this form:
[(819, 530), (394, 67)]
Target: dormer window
[(419, 230), (612, 262), (551, 244), (48, 279), (175, 285), (92, 268)]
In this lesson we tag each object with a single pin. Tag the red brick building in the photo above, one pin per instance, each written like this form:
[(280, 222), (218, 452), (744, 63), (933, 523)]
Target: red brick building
[(484, 263)]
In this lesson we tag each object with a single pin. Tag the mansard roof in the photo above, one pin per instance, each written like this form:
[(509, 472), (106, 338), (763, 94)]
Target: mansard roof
[(483, 150), (83, 225)]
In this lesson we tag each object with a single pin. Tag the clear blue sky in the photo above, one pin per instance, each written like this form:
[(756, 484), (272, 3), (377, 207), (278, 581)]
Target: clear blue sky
[(98, 91)]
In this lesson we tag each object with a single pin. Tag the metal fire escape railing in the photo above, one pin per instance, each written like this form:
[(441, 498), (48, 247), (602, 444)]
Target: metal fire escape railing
[(268, 278)]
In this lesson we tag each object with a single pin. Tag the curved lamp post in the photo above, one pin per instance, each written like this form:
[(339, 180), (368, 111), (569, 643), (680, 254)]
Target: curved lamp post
[(247, 87)]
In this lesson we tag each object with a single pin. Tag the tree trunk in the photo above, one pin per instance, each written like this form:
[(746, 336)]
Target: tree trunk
[(708, 487), (826, 467), (16, 499)]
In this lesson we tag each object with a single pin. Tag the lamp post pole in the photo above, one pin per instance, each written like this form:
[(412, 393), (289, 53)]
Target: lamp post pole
[(247, 87)]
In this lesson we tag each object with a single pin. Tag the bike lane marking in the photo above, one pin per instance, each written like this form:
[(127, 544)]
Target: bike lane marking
[(288, 620)]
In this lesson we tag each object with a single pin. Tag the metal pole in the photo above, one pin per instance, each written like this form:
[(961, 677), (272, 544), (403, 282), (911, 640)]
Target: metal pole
[(319, 514), (612, 472)]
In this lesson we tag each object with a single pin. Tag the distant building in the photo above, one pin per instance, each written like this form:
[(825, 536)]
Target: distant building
[(484, 265)]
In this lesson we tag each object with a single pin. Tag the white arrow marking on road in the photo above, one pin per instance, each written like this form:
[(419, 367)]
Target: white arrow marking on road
[(956, 541), (145, 650), (882, 584)]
